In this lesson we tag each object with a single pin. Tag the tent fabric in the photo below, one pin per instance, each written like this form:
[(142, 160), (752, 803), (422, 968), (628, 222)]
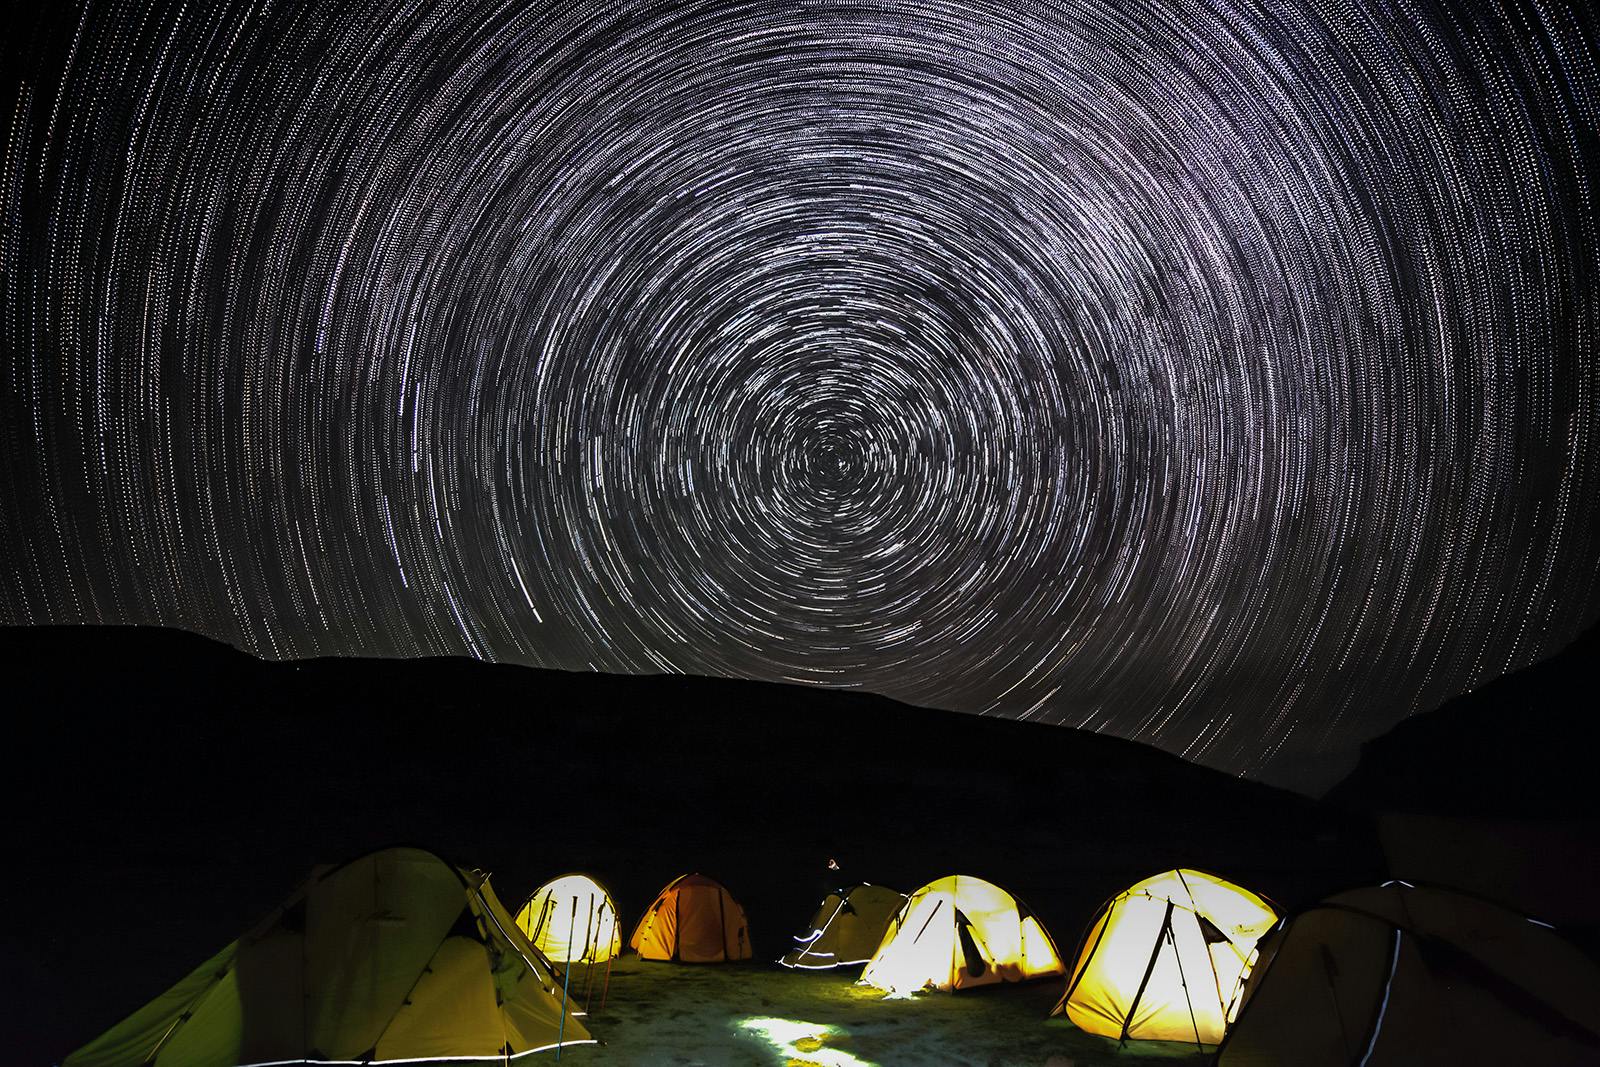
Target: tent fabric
[(1167, 959), (571, 918), (847, 927), (394, 956), (693, 920), (960, 932), (1401, 974)]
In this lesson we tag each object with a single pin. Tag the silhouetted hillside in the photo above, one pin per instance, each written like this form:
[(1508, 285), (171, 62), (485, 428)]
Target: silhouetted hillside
[(169, 790), (1494, 793), (1510, 748)]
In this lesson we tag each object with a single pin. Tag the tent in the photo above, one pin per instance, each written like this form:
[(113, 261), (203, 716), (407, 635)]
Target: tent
[(571, 918), (846, 928), (394, 956), (1166, 960), (1401, 974), (959, 932), (693, 920)]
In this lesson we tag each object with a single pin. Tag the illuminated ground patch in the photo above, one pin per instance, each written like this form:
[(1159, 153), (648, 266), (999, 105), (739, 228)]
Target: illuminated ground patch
[(764, 1016)]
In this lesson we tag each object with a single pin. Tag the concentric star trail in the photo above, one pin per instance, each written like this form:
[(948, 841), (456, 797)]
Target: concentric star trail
[(1221, 376)]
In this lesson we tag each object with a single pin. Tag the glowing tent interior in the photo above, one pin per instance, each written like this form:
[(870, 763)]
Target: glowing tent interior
[(1166, 960), (1424, 977), (394, 956), (847, 927), (693, 920), (959, 932), (571, 918)]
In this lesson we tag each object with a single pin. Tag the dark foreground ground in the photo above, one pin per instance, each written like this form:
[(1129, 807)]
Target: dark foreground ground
[(164, 792)]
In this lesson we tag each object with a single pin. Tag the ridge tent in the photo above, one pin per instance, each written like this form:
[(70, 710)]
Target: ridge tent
[(1424, 977), (846, 929), (1166, 960), (571, 918), (394, 956), (959, 932), (693, 920)]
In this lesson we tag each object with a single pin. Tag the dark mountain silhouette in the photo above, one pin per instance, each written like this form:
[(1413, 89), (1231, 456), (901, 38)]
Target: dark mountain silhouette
[(169, 790), (1510, 748), (1494, 792)]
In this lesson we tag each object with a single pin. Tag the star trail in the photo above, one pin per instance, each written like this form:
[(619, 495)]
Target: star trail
[(1220, 376)]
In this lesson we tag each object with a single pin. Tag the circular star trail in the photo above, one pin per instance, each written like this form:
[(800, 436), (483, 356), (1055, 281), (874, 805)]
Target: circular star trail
[(1220, 376)]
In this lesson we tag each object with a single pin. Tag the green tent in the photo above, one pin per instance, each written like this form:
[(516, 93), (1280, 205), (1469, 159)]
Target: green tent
[(394, 956), (1420, 977)]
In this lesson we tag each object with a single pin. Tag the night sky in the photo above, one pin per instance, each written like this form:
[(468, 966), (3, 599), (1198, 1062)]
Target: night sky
[(1221, 377)]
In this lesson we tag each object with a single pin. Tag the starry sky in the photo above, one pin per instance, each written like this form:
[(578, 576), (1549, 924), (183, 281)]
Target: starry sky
[(1216, 375)]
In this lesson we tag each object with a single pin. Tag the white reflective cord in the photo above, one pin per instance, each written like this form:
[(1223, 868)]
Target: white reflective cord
[(1394, 961), (497, 1058)]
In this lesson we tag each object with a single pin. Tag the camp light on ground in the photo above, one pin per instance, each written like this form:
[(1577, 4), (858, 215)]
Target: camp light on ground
[(801, 1042)]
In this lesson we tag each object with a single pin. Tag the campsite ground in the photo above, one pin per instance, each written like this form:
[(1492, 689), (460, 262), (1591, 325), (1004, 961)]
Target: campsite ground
[(761, 1014)]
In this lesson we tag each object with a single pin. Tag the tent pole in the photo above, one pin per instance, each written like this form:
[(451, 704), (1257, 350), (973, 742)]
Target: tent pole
[(606, 986), (588, 974), (562, 1029), (1172, 939)]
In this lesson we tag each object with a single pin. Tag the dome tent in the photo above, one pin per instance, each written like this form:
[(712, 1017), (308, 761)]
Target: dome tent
[(393, 956), (846, 929), (1166, 959), (1425, 977), (959, 932), (571, 918), (693, 920)]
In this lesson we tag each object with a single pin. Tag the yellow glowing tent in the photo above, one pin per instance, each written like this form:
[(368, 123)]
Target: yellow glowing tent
[(693, 920), (394, 956), (572, 918), (1410, 976), (959, 932), (846, 928), (1166, 960)]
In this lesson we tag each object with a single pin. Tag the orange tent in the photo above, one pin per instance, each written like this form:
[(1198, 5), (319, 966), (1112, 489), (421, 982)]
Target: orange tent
[(693, 920)]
